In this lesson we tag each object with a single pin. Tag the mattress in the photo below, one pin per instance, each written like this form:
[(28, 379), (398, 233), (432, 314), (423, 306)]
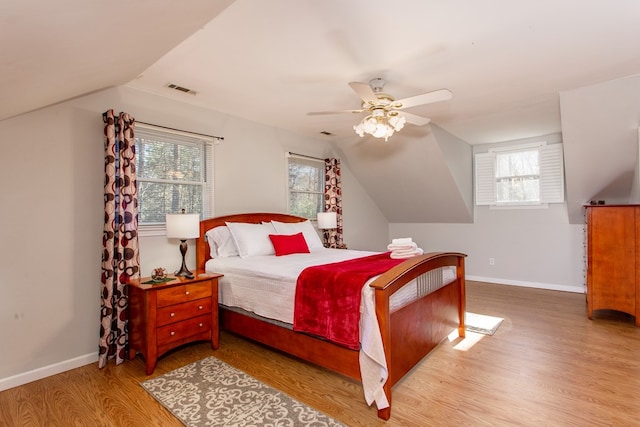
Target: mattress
[(266, 285)]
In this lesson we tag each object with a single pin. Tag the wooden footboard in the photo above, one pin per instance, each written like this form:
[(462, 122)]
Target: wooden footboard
[(412, 331), (408, 333)]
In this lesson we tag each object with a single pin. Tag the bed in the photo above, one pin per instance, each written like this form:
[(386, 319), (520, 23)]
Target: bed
[(415, 304)]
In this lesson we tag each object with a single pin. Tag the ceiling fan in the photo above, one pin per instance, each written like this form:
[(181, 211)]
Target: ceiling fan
[(384, 117)]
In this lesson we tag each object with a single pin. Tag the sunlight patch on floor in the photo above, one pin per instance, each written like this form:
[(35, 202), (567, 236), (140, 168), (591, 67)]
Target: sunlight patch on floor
[(464, 344)]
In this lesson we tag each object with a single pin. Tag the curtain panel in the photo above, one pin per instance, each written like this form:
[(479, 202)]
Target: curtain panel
[(333, 199), (120, 254)]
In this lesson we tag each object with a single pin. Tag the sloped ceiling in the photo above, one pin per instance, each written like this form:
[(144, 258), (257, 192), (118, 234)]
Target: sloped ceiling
[(504, 61), (274, 61), (53, 51), (600, 133)]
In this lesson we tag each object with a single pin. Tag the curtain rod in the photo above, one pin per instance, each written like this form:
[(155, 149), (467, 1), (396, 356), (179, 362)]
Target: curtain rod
[(303, 155), (221, 138)]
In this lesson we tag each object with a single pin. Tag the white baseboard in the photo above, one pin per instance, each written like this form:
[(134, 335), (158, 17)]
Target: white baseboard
[(47, 371), (550, 286)]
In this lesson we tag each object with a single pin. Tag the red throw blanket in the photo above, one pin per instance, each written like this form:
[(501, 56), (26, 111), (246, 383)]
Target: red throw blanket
[(328, 297)]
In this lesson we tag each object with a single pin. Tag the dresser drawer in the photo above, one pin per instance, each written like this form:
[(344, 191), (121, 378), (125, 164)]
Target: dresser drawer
[(184, 329), (184, 293), (179, 312)]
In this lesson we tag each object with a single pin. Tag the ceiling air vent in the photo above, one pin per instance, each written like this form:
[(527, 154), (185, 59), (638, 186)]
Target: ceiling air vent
[(181, 88)]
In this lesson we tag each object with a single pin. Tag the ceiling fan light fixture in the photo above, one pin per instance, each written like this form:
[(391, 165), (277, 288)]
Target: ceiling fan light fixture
[(384, 119), (380, 124), (397, 121)]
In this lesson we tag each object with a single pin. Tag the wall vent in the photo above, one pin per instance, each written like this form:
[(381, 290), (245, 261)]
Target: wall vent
[(181, 88)]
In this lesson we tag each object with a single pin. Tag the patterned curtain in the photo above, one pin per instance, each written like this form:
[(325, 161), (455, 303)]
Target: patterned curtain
[(333, 199), (120, 256)]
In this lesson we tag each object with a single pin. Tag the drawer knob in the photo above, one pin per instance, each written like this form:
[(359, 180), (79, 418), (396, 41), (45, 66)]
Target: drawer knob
[(172, 333), (172, 315), (200, 307), (186, 293), (200, 325)]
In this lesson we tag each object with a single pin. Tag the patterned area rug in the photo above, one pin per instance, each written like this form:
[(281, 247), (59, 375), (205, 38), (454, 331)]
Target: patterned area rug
[(482, 324), (211, 393)]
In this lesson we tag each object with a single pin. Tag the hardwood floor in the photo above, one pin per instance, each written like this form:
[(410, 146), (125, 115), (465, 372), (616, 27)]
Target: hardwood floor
[(547, 365)]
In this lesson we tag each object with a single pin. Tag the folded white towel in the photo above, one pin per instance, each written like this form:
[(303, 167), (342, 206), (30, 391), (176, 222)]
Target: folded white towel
[(404, 246), (405, 251), (401, 241), (406, 254)]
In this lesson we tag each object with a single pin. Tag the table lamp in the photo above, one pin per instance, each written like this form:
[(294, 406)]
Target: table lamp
[(327, 221), (183, 226)]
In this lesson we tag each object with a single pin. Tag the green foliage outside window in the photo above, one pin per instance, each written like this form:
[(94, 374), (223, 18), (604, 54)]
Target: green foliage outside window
[(171, 176), (518, 177), (306, 187)]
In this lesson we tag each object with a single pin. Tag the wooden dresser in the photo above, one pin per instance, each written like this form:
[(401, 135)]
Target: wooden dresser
[(613, 259), (166, 315)]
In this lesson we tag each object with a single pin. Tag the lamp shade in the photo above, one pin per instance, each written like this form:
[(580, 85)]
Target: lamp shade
[(183, 226), (327, 220)]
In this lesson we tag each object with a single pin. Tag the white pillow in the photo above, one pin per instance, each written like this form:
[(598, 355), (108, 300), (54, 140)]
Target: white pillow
[(305, 227), (221, 243), (252, 239)]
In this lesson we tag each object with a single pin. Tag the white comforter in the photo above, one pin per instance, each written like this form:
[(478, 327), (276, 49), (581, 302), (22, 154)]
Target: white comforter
[(266, 284)]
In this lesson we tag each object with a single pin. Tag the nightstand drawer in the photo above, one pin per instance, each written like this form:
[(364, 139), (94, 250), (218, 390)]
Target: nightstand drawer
[(180, 330), (184, 293), (179, 312)]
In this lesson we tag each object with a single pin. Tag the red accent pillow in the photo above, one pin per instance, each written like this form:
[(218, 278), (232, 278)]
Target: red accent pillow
[(289, 244)]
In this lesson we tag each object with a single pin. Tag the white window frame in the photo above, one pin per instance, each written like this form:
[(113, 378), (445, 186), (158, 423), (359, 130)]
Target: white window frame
[(206, 144), (551, 176), (304, 160)]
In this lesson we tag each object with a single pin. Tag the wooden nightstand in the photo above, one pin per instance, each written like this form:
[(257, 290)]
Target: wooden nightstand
[(166, 315)]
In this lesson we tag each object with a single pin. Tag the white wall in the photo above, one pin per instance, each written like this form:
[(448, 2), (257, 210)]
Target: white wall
[(536, 248), (50, 228), (361, 231), (51, 222)]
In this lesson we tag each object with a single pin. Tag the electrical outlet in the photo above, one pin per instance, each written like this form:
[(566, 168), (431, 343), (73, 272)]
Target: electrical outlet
[(492, 261)]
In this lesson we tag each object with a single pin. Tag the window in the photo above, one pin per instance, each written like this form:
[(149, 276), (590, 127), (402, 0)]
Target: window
[(524, 175), (174, 172), (306, 186)]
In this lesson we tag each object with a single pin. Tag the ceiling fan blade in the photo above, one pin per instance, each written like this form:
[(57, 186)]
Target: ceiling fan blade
[(425, 98), (321, 113), (364, 91), (415, 120)]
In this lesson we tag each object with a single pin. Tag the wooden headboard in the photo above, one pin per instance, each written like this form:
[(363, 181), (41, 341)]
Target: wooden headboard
[(202, 246)]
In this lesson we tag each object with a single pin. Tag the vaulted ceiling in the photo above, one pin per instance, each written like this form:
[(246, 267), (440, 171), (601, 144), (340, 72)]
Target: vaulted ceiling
[(274, 61)]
